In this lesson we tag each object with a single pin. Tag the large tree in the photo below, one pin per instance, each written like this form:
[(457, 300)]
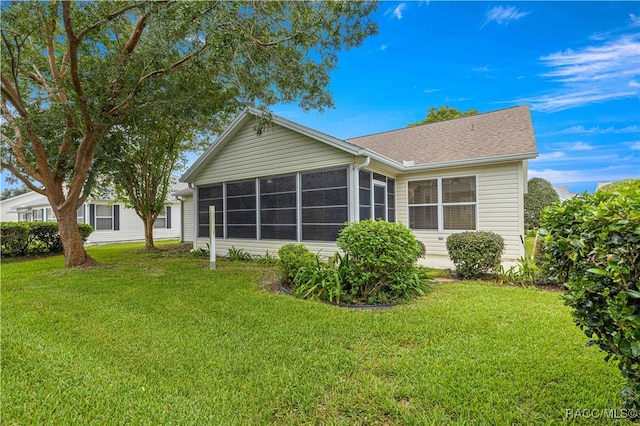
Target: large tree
[(71, 71), (445, 112), (540, 194), (144, 156)]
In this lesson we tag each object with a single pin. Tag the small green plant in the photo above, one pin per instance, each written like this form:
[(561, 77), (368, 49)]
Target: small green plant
[(324, 281), (524, 273), (267, 260), (199, 252), (240, 255), (292, 258), (475, 253)]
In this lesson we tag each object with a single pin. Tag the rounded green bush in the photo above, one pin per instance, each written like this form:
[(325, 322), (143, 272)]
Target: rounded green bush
[(292, 258), (592, 246), (475, 253), (382, 261)]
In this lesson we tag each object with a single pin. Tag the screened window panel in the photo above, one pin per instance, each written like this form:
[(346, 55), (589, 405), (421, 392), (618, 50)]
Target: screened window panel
[(379, 177), (365, 213), (459, 217), (208, 192), (241, 217), (278, 232), (235, 189), (459, 190), (278, 201), (423, 217), (324, 179), (320, 232), (391, 186), (365, 197), (325, 215), (210, 196), (241, 231), (278, 184), (278, 217), (241, 203), (365, 179), (423, 192), (326, 197)]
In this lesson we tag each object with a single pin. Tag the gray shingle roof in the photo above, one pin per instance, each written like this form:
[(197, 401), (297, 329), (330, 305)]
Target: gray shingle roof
[(499, 133)]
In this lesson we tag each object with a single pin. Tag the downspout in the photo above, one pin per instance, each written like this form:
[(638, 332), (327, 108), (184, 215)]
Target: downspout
[(354, 184)]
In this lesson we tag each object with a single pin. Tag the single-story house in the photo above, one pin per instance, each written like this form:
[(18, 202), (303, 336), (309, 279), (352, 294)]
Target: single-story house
[(112, 221), (290, 183)]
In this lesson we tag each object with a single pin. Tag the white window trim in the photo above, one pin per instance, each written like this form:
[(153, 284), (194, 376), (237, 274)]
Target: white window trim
[(440, 205), (103, 217)]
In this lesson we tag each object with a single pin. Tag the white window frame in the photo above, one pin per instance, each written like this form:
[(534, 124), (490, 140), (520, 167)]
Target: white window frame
[(440, 204), (162, 215), (103, 217)]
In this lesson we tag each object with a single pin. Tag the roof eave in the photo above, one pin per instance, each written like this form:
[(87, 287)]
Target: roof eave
[(472, 162)]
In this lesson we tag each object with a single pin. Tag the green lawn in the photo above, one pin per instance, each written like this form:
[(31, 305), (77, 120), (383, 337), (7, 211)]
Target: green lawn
[(160, 339)]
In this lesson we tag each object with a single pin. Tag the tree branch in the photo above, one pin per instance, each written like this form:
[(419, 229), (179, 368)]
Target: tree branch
[(108, 18), (73, 64), (20, 176), (116, 108)]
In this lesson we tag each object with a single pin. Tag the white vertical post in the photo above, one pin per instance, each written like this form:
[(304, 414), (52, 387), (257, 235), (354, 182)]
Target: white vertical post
[(212, 234)]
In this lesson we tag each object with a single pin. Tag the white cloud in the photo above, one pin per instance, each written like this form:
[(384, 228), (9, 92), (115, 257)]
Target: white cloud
[(635, 19), (635, 146), (605, 174), (383, 47), (396, 11), (556, 155), (579, 146), (597, 130), (592, 74), (500, 15), (432, 90)]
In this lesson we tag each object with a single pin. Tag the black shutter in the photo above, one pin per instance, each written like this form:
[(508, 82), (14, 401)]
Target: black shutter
[(168, 217), (92, 215), (116, 217)]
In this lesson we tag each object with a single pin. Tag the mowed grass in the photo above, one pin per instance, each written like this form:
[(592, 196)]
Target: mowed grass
[(160, 339)]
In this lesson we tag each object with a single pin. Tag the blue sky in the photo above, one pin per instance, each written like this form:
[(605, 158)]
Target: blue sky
[(576, 64)]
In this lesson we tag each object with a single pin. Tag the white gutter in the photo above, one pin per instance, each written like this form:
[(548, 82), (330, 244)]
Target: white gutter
[(364, 164)]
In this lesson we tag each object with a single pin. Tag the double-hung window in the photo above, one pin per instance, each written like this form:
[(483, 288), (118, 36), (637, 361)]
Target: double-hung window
[(163, 221), (443, 204)]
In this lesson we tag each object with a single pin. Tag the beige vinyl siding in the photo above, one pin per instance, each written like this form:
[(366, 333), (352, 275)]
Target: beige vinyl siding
[(188, 216), (132, 228), (277, 151), (261, 247), (499, 201)]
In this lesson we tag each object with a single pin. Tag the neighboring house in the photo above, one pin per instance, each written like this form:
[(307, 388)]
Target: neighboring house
[(295, 184), (112, 221), (564, 193)]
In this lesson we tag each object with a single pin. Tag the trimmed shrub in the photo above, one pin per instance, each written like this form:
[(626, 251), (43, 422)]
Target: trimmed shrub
[(475, 253), (15, 238), (382, 262), (22, 238), (292, 258), (592, 245)]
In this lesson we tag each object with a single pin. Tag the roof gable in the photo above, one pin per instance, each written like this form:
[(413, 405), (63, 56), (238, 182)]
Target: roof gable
[(503, 135)]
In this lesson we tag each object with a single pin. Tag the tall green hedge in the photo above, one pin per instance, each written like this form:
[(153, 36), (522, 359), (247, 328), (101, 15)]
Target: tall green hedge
[(592, 245), (23, 238)]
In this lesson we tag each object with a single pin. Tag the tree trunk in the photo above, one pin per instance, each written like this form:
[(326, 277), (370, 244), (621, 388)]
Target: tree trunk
[(148, 232), (74, 253)]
